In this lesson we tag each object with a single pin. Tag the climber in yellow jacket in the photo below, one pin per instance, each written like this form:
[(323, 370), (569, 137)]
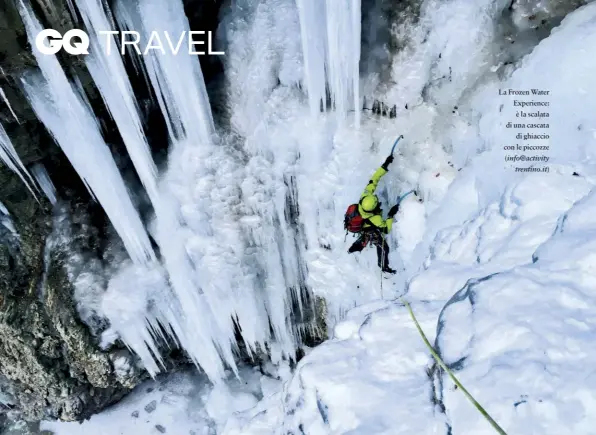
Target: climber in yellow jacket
[(374, 226)]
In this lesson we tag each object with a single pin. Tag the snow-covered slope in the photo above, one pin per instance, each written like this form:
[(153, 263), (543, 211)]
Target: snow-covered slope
[(512, 315)]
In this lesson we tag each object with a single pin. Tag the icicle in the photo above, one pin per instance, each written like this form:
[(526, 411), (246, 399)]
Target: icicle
[(72, 123), (6, 221), (313, 36), (44, 181), (343, 43), (340, 28), (72, 8), (175, 77), (111, 79), (3, 95), (355, 58), (11, 159)]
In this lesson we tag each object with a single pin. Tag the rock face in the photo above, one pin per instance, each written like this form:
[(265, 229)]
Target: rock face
[(52, 360), (51, 365)]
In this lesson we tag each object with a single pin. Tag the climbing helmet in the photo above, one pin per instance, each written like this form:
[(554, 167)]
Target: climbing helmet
[(369, 202)]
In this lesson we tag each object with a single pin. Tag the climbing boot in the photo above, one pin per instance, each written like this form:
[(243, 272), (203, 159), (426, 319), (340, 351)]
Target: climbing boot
[(387, 269)]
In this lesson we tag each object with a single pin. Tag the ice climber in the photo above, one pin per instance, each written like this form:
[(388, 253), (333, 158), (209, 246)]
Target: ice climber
[(365, 219)]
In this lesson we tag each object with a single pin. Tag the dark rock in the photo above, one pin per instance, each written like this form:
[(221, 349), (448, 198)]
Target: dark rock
[(160, 428), (135, 414), (151, 406), (50, 361), (46, 352)]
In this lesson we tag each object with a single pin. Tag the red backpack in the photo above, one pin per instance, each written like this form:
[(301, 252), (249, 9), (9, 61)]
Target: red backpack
[(353, 221)]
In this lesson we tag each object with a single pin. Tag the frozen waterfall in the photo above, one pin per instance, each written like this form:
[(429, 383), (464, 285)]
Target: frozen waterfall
[(207, 255), (232, 247)]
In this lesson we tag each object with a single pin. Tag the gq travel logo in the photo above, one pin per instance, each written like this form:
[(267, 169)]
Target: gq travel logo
[(50, 41), (76, 42)]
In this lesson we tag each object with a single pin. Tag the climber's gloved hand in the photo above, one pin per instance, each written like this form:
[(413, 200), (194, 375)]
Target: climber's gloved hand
[(393, 210), (388, 161)]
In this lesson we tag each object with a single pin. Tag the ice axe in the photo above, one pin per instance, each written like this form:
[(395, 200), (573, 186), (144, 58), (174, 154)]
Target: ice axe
[(395, 143), (404, 196)]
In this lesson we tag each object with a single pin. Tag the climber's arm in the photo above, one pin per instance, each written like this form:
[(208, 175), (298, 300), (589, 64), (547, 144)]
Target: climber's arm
[(374, 181)]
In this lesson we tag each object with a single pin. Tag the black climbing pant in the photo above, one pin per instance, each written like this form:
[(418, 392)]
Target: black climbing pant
[(376, 238)]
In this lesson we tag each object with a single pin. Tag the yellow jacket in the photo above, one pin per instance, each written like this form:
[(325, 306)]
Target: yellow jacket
[(374, 219)]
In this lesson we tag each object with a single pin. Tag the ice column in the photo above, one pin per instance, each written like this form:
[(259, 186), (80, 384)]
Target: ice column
[(313, 34), (330, 35)]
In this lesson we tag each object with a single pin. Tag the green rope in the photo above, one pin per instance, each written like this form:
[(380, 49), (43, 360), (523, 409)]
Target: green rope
[(444, 367)]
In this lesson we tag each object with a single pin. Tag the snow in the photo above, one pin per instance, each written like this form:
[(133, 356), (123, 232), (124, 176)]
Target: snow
[(178, 403), (349, 384), (522, 327), (516, 326)]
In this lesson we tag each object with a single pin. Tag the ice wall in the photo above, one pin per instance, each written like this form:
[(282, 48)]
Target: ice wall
[(246, 221)]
